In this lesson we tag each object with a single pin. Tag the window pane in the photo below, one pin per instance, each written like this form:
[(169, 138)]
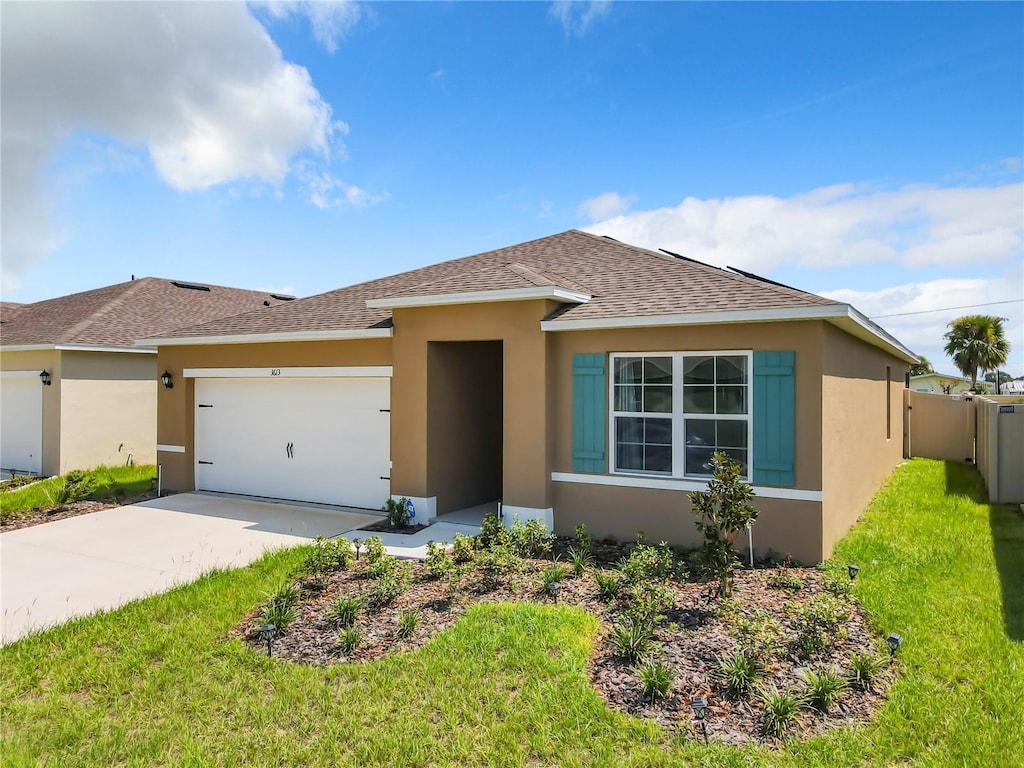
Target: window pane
[(700, 432), (629, 456), (658, 431), (657, 370), (732, 400), (698, 370), (732, 434), (732, 369), (627, 398), (698, 399), (658, 458), (629, 430), (698, 461), (658, 399), (628, 370)]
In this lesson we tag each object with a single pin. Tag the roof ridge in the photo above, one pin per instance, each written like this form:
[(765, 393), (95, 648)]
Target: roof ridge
[(131, 287)]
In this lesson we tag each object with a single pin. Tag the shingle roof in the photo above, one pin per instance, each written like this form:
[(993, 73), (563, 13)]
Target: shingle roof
[(117, 315), (622, 279)]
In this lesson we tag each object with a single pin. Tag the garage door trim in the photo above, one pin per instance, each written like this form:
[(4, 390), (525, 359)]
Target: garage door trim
[(371, 371)]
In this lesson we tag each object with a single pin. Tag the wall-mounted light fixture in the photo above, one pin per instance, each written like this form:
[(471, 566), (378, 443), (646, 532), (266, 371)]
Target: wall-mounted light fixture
[(44, 377), (167, 379)]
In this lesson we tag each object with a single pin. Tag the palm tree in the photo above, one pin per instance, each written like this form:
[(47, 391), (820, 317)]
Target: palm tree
[(976, 341), (921, 367)]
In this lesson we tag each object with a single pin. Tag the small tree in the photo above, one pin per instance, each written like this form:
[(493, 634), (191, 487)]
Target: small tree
[(724, 510), (921, 367), (977, 341)]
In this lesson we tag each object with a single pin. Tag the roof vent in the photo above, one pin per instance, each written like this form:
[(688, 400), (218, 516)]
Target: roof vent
[(281, 297), (190, 286), (266, 303)]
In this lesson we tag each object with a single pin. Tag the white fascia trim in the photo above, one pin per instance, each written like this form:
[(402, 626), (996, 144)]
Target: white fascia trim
[(74, 348), (269, 338), (324, 372), (170, 448), (668, 484), (479, 297), (843, 315)]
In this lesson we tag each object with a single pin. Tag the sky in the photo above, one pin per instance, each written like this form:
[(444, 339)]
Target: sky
[(869, 152)]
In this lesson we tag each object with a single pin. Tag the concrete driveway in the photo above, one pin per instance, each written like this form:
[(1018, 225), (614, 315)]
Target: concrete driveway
[(55, 571)]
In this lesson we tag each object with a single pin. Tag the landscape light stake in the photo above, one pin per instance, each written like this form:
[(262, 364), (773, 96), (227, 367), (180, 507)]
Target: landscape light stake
[(700, 706), (894, 641), (852, 570), (358, 544), (266, 633), (554, 587)]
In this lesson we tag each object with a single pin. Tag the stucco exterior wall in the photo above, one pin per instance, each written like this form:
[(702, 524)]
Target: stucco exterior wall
[(49, 360), (862, 428), (176, 422), (108, 409), (526, 464)]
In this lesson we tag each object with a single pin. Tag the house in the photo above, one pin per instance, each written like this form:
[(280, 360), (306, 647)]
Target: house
[(574, 378), (75, 391), (940, 383)]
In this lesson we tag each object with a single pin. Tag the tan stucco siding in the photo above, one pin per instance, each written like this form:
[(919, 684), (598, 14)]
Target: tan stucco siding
[(862, 427), (526, 465), (787, 527), (48, 360), (804, 338), (108, 409), (175, 423)]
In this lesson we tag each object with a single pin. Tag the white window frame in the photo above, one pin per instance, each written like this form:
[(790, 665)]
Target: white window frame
[(677, 416)]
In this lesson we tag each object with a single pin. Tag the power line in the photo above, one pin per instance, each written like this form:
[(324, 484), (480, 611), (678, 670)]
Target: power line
[(947, 309)]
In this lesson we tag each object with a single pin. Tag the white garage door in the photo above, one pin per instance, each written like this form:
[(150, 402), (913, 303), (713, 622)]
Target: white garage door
[(308, 439), (21, 421)]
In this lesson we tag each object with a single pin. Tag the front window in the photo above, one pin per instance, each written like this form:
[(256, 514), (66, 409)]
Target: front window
[(673, 411)]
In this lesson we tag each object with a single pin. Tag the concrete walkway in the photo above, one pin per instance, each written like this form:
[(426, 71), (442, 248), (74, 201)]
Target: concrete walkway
[(73, 567), (414, 545)]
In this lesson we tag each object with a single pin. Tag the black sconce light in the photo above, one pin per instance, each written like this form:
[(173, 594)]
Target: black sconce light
[(700, 708), (167, 379), (266, 633), (894, 641), (45, 378), (852, 570)]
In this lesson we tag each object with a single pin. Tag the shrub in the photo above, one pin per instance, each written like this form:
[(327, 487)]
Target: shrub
[(650, 601), (836, 585), (823, 688), (656, 679), (760, 637), (554, 573), (584, 541), (349, 639), (789, 582), (631, 639), (382, 566), (439, 562), (607, 586), (391, 584), (740, 671), (648, 563), (327, 555), (780, 710), (343, 612), (865, 668), (529, 539), (72, 487), (407, 623), (463, 547), (492, 531), (724, 510), (580, 559), (374, 549), (816, 624), (397, 512), (496, 562)]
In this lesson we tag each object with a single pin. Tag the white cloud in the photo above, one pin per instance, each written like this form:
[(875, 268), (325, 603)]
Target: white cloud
[(576, 16), (605, 205), (200, 86), (327, 191), (839, 225), (330, 20)]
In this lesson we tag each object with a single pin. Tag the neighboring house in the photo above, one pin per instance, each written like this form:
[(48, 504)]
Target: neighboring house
[(99, 405), (940, 383), (574, 378)]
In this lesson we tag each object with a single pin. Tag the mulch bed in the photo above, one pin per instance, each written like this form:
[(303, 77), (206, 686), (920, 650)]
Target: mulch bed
[(697, 632), (385, 527), (42, 515)]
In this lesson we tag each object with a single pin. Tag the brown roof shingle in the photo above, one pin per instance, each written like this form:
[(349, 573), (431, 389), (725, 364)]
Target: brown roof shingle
[(117, 315), (622, 279)]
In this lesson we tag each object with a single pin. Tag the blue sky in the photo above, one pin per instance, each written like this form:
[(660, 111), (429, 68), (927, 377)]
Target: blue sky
[(869, 151)]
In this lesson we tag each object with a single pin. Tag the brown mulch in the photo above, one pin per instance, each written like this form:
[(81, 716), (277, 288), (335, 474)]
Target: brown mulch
[(42, 515), (697, 632)]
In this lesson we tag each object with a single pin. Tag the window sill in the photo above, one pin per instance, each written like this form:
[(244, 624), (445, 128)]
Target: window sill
[(668, 483)]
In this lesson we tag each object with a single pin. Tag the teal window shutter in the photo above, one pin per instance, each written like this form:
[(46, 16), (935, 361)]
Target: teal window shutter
[(774, 418), (589, 395)]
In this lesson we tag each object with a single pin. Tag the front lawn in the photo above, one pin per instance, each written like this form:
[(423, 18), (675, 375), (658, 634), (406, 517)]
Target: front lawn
[(118, 483), (158, 683)]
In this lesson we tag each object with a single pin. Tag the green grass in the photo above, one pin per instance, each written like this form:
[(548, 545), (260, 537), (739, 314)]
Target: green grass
[(110, 482), (157, 682)]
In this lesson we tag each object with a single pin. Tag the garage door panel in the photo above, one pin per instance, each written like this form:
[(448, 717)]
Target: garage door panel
[(21, 422), (325, 440)]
